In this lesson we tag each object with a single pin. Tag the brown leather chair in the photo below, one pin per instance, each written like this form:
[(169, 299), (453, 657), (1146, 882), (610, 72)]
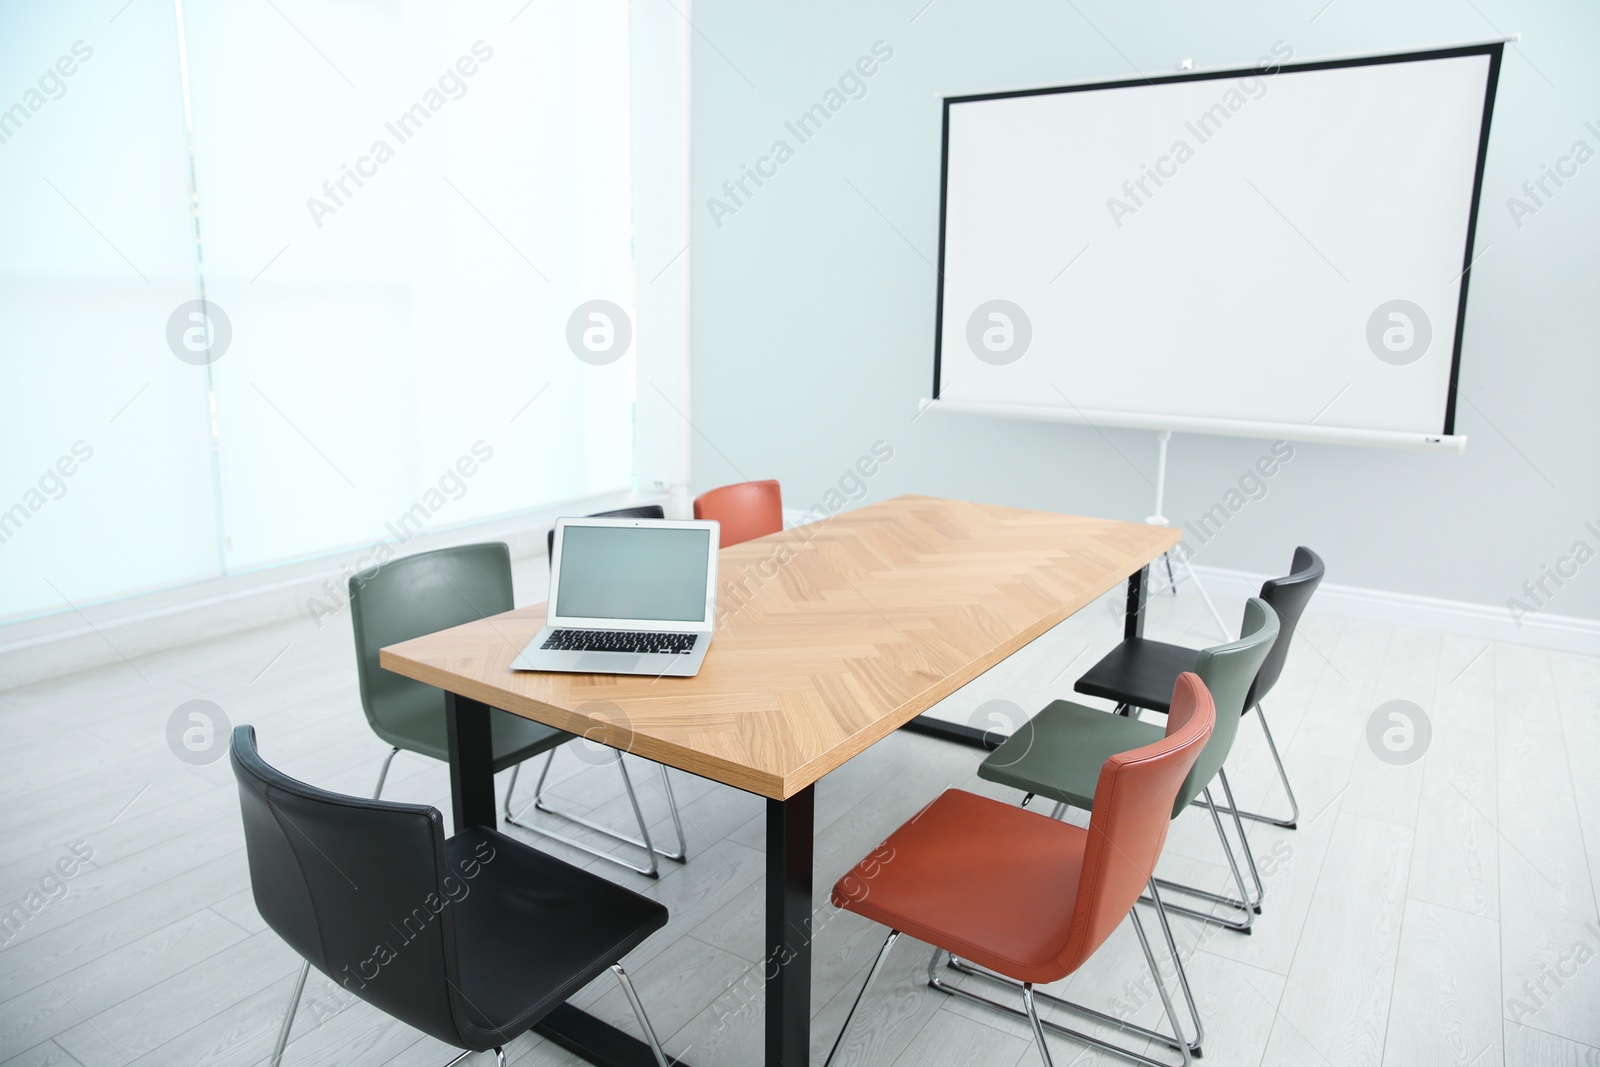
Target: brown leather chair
[(1026, 897), (746, 510)]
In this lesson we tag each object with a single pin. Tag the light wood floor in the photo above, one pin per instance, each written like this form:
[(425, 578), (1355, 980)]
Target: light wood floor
[(1435, 913)]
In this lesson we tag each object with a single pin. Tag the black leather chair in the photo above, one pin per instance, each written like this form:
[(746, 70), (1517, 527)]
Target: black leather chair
[(471, 939), (644, 511), (1140, 673)]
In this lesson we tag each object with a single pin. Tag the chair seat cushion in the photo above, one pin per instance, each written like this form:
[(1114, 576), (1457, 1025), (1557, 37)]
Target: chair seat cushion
[(532, 930), (993, 883), (420, 727), (1059, 752), (1139, 672)]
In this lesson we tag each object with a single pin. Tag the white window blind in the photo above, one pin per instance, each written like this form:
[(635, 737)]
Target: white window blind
[(401, 207)]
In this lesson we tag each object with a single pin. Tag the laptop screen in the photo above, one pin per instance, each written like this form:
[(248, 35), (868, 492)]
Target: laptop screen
[(633, 572)]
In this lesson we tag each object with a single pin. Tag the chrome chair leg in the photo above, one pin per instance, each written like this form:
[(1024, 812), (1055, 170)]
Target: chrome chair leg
[(638, 816), (1283, 776), (1293, 820), (1242, 903), (1161, 988), (1244, 842), (638, 1013), (300, 986), (877, 965), (651, 869), (682, 855), (1038, 1029), (544, 773), (383, 772), (1177, 965), (294, 1002)]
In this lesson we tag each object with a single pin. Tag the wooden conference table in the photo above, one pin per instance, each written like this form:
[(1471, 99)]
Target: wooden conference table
[(829, 637)]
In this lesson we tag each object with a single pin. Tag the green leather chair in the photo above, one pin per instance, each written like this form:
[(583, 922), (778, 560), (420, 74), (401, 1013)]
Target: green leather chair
[(433, 591), (1058, 754)]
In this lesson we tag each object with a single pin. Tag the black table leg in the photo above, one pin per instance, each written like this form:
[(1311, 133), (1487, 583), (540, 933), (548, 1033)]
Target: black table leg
[(1133, 619), (954, 731), (595, 1041), (471, 761), (790, 825)]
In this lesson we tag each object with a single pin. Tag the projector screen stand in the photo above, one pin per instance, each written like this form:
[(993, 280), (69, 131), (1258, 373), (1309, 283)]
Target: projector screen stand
[(1159, 519)]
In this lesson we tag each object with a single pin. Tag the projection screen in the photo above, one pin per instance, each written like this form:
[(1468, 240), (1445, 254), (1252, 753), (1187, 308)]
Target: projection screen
[(1278, 251)]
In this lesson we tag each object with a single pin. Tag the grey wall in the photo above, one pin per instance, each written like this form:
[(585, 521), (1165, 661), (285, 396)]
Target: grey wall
[(813, 301)]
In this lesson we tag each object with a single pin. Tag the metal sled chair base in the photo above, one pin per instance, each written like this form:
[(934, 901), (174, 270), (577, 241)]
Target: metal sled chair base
[(1293, 821), (1187, 1051), (1030, 1009), (1241, 926), (1247, 907), (651, 869), (961, 966)]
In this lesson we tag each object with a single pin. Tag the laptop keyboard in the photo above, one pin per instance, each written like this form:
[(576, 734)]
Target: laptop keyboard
[(618, 641)]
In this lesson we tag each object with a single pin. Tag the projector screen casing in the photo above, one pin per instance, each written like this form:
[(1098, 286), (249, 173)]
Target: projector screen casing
[(1238, 294)]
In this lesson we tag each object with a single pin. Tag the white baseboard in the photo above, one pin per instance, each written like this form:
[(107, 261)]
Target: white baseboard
[(35, 650), (1565, 633)]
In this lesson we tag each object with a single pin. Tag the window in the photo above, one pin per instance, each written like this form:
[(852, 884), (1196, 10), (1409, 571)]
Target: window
[(402, 302)]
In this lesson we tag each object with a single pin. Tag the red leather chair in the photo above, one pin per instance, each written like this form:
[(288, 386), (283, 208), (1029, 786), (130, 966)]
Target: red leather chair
[(746, 510), (1026, 897)]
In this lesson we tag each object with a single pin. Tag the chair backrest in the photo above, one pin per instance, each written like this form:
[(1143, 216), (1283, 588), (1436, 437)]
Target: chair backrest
[(644, 511), (1288, 596), (1229, 671), (1128, 823), (358, 887), (746, 510), (416, 595)]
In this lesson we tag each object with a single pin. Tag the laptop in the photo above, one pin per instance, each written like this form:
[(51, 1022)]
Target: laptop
[(628, 596)]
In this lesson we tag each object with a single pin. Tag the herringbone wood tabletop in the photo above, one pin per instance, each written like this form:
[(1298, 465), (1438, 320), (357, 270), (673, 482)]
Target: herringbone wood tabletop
[(829, 636)]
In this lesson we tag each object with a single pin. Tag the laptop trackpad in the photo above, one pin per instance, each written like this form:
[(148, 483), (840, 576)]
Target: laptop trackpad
[(607, 662)]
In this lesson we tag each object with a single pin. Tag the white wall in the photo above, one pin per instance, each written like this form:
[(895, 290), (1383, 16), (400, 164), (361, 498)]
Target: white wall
[(814, 296), (660, 54)]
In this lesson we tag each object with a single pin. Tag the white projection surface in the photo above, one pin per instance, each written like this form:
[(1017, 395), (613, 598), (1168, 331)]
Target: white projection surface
[(1242, 253)]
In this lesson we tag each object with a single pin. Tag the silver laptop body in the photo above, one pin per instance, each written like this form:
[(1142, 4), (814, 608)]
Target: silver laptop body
[(628, 596)]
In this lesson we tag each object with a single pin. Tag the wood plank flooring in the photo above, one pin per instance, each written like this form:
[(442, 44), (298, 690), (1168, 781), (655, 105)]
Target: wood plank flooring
[(1440, 912)]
